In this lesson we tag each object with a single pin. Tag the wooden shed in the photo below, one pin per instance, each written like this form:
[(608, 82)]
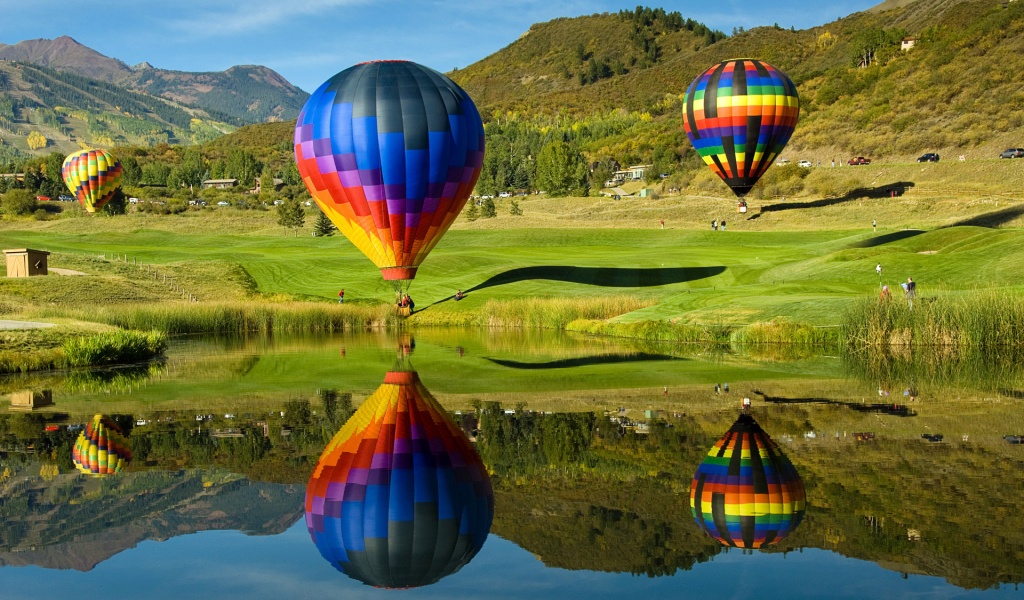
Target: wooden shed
[(26, 262), (31, 400)]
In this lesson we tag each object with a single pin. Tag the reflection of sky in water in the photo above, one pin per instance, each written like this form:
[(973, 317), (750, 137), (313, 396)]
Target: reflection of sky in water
[(232, 565)]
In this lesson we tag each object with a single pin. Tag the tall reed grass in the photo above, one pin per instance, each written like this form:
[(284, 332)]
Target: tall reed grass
[(114, 347), (981, 319), (239, 317), (664, 331), (784, 331), (555, 313)]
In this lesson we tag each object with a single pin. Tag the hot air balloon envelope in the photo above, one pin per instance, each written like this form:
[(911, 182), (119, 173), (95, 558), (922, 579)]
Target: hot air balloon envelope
[(93, 176), (739, 115), (390, 151), (101, 449), (399, 498), (746, 493)]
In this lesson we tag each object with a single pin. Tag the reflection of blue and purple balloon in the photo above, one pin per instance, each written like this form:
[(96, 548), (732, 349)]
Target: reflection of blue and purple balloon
[(399, 498)]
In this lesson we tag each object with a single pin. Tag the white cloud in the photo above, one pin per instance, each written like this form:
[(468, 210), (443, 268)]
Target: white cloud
[(231, 18)]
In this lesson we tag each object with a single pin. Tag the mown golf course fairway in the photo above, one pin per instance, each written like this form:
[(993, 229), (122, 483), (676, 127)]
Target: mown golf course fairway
[(805, 260)]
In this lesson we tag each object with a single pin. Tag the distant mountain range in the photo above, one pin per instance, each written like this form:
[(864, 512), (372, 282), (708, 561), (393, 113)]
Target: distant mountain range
[(72, 94), (897, 80), (76, 523)]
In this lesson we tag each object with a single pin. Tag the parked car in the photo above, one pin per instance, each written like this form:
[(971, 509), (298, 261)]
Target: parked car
[(928, 157), (65, 198), (782, 162), (859, 160), (223, 203), (1012, 153), (43, 198), (505, 195), (805, 164)]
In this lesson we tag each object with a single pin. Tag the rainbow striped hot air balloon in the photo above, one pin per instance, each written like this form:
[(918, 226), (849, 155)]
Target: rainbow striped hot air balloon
[(93, 176), (739, 115), (101, 449), (390, 151), (399, 498), (746, 493)]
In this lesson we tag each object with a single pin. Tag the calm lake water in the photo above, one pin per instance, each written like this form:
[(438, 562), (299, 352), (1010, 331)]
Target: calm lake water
[(887, 477)]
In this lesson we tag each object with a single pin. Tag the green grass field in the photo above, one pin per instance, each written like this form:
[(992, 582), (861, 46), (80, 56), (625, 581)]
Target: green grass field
[(957, 228)]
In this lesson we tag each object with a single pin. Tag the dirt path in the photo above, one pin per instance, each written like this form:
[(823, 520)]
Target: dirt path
[(23, 325)]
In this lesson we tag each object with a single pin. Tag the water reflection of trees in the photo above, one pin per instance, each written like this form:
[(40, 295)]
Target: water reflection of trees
[(612, 499)]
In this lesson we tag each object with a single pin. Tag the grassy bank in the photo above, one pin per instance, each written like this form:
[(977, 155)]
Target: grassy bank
[(986, 320), (240, 317), (106, 348)]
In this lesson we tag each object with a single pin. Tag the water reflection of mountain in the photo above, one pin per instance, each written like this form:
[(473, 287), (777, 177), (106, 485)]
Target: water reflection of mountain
[(75, 522), (609, 499)]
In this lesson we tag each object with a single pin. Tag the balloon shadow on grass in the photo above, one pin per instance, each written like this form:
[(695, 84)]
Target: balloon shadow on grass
[(880, 240), (897, 188), (568, 363), (884, 408), (602, 276), (992, 219)]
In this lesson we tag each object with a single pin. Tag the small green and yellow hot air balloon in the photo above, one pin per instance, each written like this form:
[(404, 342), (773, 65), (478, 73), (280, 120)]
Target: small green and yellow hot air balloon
[(93, 176), (101, 449)]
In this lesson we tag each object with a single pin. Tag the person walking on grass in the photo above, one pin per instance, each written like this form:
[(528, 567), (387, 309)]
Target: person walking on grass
[(663, 223), (874, 225), (722, 225), (911, 291), (341, 296)]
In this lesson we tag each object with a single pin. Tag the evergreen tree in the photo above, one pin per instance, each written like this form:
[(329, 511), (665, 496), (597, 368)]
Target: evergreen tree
[(323, 226), (290, 214), (473, 213), (487, 209), (514, 209)]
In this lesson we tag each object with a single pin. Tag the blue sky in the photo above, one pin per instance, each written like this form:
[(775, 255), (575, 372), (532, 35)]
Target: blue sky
[(308, 41)]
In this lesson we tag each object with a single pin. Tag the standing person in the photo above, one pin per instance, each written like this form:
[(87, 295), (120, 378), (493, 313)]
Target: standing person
[(911, 292), (885, 294), (833, 163), (722, 225), (663, 223), (341, 296), (666, 391), (878, 269), (874, 225), (714, 224)]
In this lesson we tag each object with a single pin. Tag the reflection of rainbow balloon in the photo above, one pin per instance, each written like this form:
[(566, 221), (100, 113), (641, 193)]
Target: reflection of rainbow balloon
[(101, 449), (390, 151), (739, 115), (746, 493), (92, 176), (399, 498)]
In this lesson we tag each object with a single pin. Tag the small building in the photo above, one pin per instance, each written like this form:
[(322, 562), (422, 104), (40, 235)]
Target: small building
[(25, 262), (908, 42), (220, 183), (31, 400), (278, 184)]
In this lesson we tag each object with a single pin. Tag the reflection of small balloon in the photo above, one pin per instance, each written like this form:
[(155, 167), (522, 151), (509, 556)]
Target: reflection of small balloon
[(390, 151), (93, 176), (739, 115), (101, 449), (399, 498), (746, 493)]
